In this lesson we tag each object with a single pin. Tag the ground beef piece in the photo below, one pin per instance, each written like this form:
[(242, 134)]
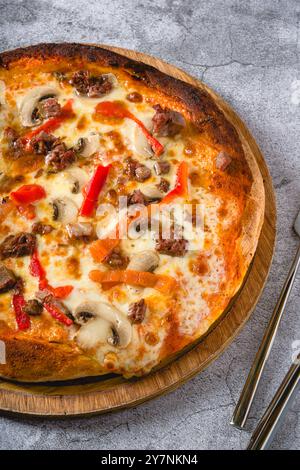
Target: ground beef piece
[(116, 259), (137, 311), (134, 97), (131, 166), (142, 173), (137, 197), (137, 171), (60, 157), (99, 86), (42, 143), (46, 298), (15, 246), (41, 229), (163, 185), (162, 167), (33, 307), (223, 160), (7, 279), (15, 144), (86, 84), (48, 108), (171, 246), (80, 81), (167, 123)]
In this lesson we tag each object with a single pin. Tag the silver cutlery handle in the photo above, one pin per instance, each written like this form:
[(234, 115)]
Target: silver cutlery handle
[(268, 425), (243, 406)]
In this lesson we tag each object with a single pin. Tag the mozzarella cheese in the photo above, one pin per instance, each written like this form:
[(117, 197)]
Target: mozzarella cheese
[(192, 308)]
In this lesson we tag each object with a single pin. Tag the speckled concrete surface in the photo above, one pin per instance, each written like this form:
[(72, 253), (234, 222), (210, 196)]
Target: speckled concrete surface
[(248, 51)]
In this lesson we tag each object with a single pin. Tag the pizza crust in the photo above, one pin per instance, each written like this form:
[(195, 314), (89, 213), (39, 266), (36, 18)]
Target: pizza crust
[(253, 216), (32, 360), (201, 107)]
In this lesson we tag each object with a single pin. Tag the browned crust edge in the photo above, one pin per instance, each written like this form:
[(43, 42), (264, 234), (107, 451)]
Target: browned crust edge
[(254, 212), (63, 362), (253, 216), (203, 110), (39, 361)]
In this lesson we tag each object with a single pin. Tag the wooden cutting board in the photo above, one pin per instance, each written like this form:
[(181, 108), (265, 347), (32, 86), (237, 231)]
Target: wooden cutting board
[(109, 393)]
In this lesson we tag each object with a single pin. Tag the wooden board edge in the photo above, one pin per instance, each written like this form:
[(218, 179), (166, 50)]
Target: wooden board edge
[(269, 220)]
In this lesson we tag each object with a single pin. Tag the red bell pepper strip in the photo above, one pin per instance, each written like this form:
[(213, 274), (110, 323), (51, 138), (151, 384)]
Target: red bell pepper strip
[(35, 267), (24, 196), (116, 110), (22, 318), (28, 193), (52, 124), (43, 284), (56, 313), (93, 190), (181, 186), (36, 270), (60, 292)]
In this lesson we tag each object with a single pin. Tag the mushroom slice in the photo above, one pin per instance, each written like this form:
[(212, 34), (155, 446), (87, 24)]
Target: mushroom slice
[(140, 143), (64, 210), (79, 230), (90, 145), (102, 322), (85, 312), (30, 101), (146, 260), (77, 179), (152, 192), (93, 333)]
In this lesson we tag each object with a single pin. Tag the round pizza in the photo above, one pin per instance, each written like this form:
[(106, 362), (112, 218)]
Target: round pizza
[(130, 211)]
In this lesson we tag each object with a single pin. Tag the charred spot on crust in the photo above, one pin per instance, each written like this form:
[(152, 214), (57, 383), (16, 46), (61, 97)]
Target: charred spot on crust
[(198, 101), (135, 69)]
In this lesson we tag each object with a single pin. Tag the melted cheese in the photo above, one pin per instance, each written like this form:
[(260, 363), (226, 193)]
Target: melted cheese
[(192, 309)]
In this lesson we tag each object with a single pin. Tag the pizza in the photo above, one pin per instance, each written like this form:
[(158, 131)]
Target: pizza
[(130, 211)]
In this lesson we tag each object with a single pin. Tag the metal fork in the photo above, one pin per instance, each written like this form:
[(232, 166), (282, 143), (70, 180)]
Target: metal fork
[(276, 411), (243, 407)]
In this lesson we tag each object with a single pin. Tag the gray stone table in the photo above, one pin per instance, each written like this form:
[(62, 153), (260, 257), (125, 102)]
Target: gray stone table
[(248, 51)]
